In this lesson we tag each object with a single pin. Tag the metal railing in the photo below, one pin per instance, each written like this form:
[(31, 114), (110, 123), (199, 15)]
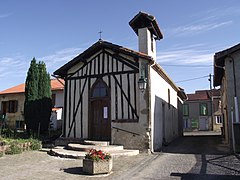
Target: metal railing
[(120, 129)]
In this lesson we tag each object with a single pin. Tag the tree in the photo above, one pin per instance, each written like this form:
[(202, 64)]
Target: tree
[(31, 96), (38, 104), (44, 95)]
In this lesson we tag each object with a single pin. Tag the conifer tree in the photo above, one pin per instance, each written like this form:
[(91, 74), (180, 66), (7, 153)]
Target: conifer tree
[(38, 104), (44, 95), (31, 95)]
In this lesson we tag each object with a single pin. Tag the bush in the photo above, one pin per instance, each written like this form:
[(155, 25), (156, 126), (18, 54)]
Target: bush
[(8, 133), (35, 144), (14, 148)]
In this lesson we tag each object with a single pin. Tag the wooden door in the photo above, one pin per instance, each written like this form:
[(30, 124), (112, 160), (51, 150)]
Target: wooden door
[(100, 121), (101, 124)]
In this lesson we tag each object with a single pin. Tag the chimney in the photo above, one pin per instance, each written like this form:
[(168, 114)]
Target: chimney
[(148, 31)]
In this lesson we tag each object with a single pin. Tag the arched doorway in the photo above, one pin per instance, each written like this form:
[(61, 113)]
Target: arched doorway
[(99, 112)]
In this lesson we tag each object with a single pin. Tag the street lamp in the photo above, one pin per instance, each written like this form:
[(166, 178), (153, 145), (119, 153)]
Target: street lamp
[(142, 83)]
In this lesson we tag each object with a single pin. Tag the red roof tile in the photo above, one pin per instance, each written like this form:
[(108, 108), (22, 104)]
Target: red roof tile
[(55, 84), (55, 109), (203, 95)]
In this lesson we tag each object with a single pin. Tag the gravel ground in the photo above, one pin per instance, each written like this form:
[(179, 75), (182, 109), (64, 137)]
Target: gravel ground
[(38, 165), (185, 158)]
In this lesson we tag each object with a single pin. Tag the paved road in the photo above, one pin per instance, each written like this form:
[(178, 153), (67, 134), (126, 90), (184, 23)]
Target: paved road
[(186, 158)]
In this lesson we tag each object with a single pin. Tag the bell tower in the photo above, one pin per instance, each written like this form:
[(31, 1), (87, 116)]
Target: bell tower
[(148, 31)]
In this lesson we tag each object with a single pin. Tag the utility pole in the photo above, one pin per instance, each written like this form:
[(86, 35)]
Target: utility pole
[(211, 99), (210, 80)]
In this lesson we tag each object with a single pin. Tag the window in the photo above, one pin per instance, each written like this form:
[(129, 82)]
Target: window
[(218, 120), (4, 107), (152, 39), (9, 106), (12, 108), (19, 124), (100, 89), (185, 110), (203, 109)]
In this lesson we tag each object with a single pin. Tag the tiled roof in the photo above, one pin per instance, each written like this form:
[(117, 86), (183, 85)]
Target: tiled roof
[(62, 71), (55, 84), (55, 109), (219, 63), (142, 20), (203, 95)]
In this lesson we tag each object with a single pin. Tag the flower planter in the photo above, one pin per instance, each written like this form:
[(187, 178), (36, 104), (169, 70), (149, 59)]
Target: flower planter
[(97, 167)]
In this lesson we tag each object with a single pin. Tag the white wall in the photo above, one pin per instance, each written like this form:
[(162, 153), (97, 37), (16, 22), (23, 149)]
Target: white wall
[(164, 120), (59, 99), (146, 43)]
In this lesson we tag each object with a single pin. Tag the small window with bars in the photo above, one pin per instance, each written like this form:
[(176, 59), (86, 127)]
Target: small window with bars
[(218, 120)]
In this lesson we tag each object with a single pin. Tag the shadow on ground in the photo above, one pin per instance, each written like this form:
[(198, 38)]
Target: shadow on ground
[(213, 158), (190, 176), (74, 170), (197, 145)]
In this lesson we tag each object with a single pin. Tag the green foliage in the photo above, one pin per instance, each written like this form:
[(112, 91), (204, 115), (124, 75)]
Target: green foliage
[(8, 133), (35, 144), (31, 84), (1, 153), (14, 148), (44, 85), (38, 103)]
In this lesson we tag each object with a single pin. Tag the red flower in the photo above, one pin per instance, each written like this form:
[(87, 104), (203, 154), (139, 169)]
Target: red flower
[(97, 155)]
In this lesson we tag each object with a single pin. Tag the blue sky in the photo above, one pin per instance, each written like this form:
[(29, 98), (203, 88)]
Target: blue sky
[(55, 31)]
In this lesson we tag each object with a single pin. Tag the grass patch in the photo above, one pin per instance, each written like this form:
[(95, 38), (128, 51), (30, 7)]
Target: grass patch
[(14, 148), (17, 146), (1, 153)]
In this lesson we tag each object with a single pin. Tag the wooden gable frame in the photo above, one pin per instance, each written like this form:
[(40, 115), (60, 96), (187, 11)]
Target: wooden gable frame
[(118, 70)]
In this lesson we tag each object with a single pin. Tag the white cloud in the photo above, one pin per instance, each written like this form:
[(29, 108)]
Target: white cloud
[(206, 21), (13, 70), (197, 28), (187, 55), (59, 58), (5, 15)]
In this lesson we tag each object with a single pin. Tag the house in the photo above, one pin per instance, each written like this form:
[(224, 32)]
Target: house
[(202, 111), (227, 76), (102, 98), (12, 103)]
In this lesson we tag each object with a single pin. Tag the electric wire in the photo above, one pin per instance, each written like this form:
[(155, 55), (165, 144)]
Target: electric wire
[(185, 80)]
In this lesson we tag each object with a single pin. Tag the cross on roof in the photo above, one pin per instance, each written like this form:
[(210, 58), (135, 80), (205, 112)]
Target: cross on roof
[(100, 35)]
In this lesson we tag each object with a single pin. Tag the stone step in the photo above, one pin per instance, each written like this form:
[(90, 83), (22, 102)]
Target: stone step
[(61, 152), (86, 148), (99, 143)]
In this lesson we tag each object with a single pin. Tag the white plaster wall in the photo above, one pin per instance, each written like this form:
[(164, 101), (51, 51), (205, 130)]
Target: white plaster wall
[(59, 101), (159, 96), (145, 42)]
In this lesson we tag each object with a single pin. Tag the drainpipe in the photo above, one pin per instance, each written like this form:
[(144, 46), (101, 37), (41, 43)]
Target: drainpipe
[(235, 104), (233, 138), (235, 93)]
